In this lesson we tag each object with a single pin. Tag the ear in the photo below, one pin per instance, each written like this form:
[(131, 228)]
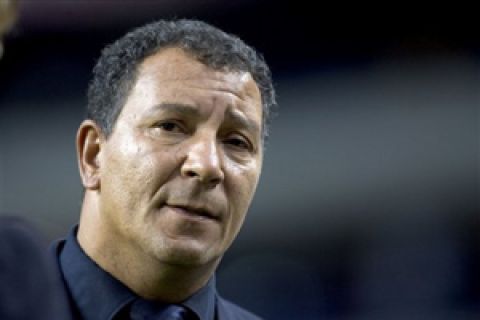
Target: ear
[(89, 140)]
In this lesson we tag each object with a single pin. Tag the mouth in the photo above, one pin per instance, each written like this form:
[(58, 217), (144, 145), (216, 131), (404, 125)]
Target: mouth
[(196, 212)]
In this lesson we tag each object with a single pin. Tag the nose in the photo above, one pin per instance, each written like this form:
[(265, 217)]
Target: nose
[(203, 162)]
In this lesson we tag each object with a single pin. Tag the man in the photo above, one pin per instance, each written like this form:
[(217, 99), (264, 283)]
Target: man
[(29, 288), (170, 155), (8, 14)]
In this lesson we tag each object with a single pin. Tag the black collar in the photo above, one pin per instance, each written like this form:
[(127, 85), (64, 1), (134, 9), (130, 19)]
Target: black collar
[(99, 296)]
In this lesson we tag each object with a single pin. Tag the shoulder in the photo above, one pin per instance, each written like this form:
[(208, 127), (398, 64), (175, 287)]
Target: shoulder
[(29, 284), (21, 246), (231, 311), (20, 231)]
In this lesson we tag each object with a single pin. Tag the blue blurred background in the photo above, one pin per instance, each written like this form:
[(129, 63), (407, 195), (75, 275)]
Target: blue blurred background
[(368, 207)]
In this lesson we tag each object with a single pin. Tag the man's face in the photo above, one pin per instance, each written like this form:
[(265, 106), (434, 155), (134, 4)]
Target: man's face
[(180, 168)]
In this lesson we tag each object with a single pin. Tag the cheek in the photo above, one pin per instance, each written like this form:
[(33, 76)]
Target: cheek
[(138, 168), (120, 175), (240, 190), (122, 169), (241, 185)]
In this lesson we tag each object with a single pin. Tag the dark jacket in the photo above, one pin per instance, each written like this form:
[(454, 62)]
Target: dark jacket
[(225, 309), (29, 286)]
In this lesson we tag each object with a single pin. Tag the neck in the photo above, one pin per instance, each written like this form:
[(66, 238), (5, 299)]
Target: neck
[(145, 275)]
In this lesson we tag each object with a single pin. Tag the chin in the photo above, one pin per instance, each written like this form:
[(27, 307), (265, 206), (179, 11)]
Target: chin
[(186, 252)]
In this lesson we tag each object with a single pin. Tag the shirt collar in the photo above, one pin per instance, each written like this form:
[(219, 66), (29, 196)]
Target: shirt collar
[(203, 301), (99, 296)]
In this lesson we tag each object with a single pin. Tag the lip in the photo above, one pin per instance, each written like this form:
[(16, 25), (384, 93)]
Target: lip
[(194, 211)]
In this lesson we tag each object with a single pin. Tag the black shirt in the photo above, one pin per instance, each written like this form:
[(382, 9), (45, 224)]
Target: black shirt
[(99, 296)]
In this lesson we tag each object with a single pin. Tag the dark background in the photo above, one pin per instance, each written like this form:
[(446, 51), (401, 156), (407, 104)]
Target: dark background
[(368, 207)]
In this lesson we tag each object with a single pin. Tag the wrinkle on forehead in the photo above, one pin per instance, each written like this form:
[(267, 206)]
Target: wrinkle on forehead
[(175, 64), (240, 94)]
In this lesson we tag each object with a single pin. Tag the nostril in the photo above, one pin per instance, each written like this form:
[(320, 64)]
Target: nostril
[(191, 174), (215, 181), (207, 179)]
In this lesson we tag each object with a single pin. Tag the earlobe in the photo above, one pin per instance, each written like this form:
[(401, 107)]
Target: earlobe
[(89, 140)]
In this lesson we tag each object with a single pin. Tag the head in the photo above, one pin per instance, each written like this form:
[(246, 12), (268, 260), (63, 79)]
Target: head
[(117, 69), (8, 14), (172, 149)]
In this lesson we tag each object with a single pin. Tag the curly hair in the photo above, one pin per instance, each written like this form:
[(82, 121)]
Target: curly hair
[(116, 71)]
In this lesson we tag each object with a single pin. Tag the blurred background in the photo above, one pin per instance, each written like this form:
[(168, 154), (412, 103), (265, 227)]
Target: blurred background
[(368, 207)]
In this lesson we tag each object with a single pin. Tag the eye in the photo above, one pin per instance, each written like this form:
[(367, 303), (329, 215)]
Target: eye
[(169, 126), (238, 142)]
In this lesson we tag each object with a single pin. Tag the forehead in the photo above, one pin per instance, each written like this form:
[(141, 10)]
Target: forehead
[(173, 74)]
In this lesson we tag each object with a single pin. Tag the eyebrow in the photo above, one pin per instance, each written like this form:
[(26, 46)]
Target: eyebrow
[(180, 108), (242, 121), (190, 110)]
